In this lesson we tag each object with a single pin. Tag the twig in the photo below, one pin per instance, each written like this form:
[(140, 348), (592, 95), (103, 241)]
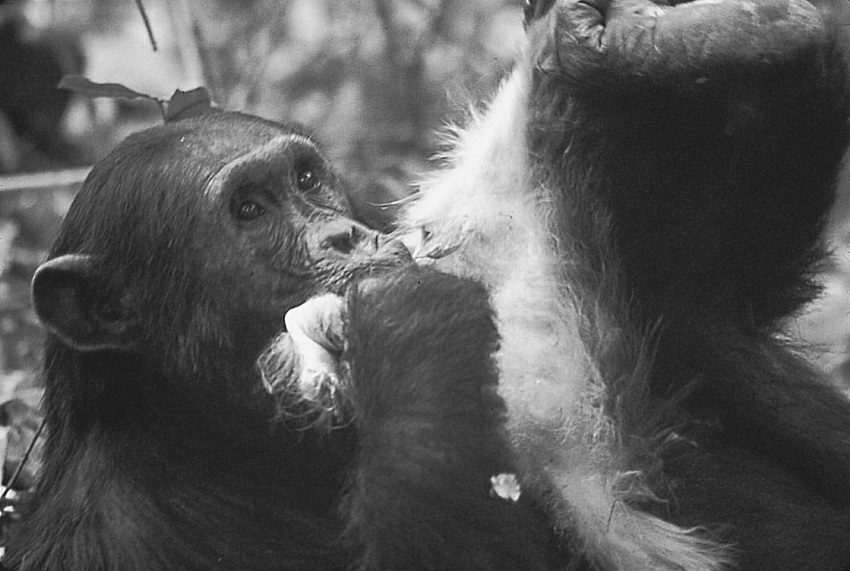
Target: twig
[(23, 461), (48, 180), (147, 23)]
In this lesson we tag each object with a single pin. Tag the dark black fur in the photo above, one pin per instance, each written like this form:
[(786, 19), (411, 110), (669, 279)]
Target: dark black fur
[(697, 157), (430, 424), (164, 286)]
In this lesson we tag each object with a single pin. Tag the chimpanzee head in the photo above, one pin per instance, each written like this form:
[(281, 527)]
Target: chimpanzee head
[(188, 243)]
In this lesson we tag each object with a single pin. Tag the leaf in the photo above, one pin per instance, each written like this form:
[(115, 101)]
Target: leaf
[(185, 104), (182, 104), (88, 88)]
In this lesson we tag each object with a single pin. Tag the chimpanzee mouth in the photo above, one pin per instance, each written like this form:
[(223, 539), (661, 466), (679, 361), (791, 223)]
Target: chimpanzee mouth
[(422, 248)]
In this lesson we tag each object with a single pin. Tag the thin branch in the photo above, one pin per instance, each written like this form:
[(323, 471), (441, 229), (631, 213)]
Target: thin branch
[(23, 461), (148, 27)]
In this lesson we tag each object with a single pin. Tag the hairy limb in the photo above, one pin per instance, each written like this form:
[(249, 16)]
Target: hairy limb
[(433, 487), (607, 42)]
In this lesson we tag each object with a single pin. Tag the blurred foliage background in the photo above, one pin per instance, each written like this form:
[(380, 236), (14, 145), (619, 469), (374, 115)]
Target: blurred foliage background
[(375, 80)]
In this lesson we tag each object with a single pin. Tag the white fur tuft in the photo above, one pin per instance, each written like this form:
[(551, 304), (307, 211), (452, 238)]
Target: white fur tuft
[(484, 208)]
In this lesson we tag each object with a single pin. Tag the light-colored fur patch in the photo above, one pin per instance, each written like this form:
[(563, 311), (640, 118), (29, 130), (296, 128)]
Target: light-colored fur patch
[(482, 215)]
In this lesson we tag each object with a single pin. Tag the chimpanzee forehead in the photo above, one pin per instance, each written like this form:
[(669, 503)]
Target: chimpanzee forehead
[(222, 137), (150, 186), (267, 163), (176, 161), (184, 155)]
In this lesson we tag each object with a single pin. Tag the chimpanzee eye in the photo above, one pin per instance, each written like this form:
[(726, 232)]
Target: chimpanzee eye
[(307, 179), (247, 210)]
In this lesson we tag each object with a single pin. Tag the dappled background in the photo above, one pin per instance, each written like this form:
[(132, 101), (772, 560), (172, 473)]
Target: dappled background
[(375, 79)]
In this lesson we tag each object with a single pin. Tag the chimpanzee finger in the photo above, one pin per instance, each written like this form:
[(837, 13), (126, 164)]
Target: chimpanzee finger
[(644, 39), (316, 330), (319, 320)]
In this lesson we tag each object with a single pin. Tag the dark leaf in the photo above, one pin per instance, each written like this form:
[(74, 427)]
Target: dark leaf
[(185, 104), (83, 86)]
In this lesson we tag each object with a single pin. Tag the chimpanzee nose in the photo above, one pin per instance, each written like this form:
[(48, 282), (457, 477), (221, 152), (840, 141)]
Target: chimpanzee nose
[(347, 237), (350, 238)]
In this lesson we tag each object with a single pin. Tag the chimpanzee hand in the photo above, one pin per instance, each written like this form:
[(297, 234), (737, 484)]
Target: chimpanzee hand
[(308, 365), (655, 40), (316, 330), (304, 361), (423, 325)]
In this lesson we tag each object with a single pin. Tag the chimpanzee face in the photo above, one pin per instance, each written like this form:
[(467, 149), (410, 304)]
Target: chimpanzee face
[(197, 236), (278, 214)]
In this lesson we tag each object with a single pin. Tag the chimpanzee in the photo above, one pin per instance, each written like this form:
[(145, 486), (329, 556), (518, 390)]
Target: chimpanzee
[(172, 273), (644, 199)]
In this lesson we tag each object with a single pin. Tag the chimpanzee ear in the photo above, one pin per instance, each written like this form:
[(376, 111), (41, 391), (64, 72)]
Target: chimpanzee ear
[(71, 303)]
